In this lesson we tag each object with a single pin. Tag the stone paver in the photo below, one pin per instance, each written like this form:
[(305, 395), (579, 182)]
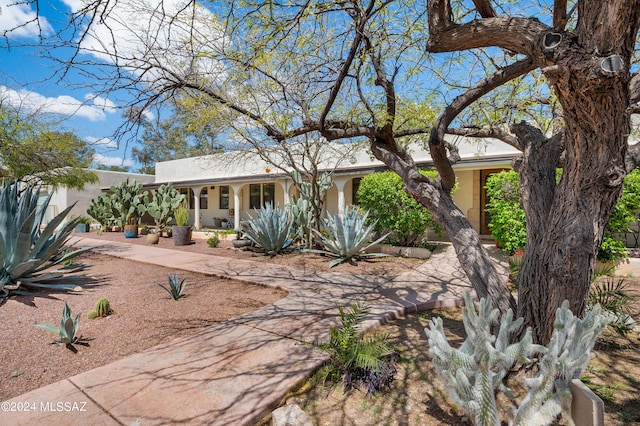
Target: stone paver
[(236, 372)]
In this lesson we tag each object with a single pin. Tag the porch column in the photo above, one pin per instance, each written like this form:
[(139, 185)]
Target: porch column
[(340, 183), (196, 201), (236, 206), (285, 184)]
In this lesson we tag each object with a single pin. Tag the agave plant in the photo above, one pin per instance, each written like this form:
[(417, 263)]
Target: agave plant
[(271, 229), (176, 286), (348, 237), (68, 330), (26, 251)]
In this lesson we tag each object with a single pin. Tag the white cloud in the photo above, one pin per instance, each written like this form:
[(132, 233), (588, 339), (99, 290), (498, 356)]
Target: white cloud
[(19, 19), (65, 105), (101, 142), (111, 161)]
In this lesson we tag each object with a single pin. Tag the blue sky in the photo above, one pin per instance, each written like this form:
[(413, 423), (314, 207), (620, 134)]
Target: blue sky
[(24, 82)]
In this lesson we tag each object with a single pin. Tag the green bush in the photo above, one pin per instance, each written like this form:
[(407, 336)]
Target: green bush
[(393, 210), (508, 223), (213, 241)]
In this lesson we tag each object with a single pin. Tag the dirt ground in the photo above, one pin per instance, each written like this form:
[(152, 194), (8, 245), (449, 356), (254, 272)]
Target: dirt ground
[(418, 397), (144, 316)]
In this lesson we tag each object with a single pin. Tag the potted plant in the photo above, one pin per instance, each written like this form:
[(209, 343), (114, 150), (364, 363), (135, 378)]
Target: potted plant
[(181, 231), (153, 237), (166, 199), (83, 224), (127, 201)]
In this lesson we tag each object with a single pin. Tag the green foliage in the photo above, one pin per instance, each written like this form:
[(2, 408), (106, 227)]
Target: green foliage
[(475, 372), (182, 214), (353, 357), (214, 241), (102, 210), (166, 199), (271, 229), (176, 286), (613, 296), (27, 248), (393, 210), (34, 151), (348, 237), (127, 202), (508, 223), (68, 330), (103, 309), (303, 209)]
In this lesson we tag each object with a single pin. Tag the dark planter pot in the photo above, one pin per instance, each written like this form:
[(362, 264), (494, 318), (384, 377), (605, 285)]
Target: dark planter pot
[(131, 231), (181, 235), (82, 227)]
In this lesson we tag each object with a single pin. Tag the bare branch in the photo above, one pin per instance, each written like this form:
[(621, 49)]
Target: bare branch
[(492, 132), (485, 9), (560, 16)]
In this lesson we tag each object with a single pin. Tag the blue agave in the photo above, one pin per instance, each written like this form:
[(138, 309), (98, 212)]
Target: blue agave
[(27, 249), (271, 229)]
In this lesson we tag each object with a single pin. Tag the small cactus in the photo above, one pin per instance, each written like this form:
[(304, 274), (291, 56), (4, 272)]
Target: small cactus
[(102, 309)]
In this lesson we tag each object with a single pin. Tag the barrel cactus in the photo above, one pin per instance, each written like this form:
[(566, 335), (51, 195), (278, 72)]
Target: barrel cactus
[(102, 309)]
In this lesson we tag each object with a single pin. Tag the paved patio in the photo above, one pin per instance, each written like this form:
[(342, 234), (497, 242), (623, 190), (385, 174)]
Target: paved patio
[(236, 372)]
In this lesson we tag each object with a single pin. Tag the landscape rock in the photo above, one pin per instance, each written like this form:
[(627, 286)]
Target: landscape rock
[(290, 415)]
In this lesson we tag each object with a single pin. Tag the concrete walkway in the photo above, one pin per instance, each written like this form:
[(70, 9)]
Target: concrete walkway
[(236, 372)]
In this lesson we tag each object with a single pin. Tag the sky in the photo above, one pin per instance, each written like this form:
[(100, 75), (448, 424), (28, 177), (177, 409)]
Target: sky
[(25, 80)]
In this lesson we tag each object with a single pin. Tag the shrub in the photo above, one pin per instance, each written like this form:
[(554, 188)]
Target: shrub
[(68, 330), (271, 229), (393, 210), (347, 237), (27, 249), (359, 360), (475, 372), (176, 286), (508, 223), (214, 241)]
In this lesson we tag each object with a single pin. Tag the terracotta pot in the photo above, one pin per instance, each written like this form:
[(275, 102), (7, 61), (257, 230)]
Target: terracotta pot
[(181, 235), (131, 231), (153, 238)]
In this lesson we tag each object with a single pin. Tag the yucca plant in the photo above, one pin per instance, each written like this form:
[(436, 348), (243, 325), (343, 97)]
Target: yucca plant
[(359, 360), (176, 286), (613, 297), (26, 250), (348, 237), (271, 229), (68, 330)]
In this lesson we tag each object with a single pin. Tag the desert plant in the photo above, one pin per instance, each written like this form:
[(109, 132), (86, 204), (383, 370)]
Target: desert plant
[(393, 210), (101, 209), (214, 241), (181, 214), (613, 296), (127, 201), (166, 199), (475, 372), (302, 208), (176, 286), (348, 237), (68, 330), (271, 229), (103, 309), (357, 359), (27, 248)]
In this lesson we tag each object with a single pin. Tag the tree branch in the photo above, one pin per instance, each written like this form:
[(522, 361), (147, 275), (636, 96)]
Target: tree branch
[(438, 151), (485, 9), (492, 132), (560, 16)]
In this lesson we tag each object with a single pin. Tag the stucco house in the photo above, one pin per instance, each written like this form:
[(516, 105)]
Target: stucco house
[(230, 186)]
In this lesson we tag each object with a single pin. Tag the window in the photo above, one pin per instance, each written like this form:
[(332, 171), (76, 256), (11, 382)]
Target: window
[(261, 194), (254, 196), (224, 197), (355, 186), (204, 199)]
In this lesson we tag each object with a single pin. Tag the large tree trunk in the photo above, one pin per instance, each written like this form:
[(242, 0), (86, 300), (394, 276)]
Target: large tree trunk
[(566, 226)]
